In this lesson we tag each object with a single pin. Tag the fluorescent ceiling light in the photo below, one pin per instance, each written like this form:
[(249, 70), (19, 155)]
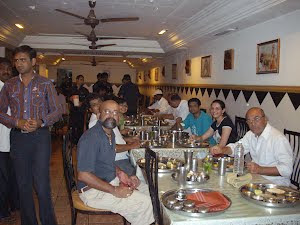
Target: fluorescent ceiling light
[(19, 26), (162, 31), (229, 30)]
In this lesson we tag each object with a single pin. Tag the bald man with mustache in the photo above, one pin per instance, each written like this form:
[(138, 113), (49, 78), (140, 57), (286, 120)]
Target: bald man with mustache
[(271, 152), (101, 184)]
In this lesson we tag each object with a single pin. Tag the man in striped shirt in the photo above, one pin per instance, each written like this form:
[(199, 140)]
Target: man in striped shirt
[(32, 100)]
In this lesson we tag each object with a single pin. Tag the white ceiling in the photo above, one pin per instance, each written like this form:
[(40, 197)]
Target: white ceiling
[(189, 22)]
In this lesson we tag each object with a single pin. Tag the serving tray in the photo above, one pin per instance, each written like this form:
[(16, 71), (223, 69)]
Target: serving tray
[(270, 195), (173, 194)]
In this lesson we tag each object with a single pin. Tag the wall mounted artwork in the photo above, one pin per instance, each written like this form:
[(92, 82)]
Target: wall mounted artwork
[(267, 57), (174, 71), (156, 73), (188, 67), (206, 66), (228, 59)]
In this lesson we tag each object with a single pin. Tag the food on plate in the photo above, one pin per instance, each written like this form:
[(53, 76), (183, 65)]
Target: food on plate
[(257, 192), (162, 166), (276, 191)]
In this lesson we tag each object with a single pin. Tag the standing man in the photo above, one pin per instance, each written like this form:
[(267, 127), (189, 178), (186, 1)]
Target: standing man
[(78, 108), (130, 92), (33, 103), (8, 188), (102, 81), (101, 184), (270, 151)]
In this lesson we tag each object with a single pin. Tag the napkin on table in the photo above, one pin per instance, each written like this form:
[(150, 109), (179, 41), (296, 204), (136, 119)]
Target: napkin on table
[(213, 200)]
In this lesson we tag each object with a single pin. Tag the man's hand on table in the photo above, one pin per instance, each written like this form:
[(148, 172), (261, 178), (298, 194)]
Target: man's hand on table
[(214, 150), (253, 167)]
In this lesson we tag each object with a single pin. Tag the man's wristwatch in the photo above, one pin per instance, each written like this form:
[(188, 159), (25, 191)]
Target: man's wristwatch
[(43, 123)]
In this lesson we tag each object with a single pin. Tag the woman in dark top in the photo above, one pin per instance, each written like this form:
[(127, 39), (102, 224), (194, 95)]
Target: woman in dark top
[(222, 129)]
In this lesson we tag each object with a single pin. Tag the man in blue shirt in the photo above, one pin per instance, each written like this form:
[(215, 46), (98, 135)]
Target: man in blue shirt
[(197, 120)]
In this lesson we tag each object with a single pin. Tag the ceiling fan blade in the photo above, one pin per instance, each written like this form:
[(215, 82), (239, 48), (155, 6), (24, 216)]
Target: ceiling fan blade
[(70, 14), (81, 33), (107, 38), (88, 64), (100, 46), (79, 44), (119, 19)]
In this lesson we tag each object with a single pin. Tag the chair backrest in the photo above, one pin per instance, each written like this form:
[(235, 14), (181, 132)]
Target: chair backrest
[(294, 139), (151, 168), (68, 166), (241, 127)]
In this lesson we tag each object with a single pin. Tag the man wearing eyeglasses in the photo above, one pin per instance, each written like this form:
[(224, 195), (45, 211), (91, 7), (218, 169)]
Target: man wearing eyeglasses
[(271, 152), (101, 183)]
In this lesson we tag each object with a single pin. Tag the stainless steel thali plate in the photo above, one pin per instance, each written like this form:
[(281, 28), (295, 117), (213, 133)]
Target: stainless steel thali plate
[(165, 165), (171, 201), (193, 144), (270, 195), (229, 167), (200, 178)]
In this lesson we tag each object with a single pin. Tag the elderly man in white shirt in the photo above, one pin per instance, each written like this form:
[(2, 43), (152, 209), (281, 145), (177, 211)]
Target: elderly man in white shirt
[(271, 152), (160, 105), (179, 110)]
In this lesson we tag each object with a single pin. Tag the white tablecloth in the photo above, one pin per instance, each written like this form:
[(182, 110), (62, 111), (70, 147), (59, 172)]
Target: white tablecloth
[(241, 211)]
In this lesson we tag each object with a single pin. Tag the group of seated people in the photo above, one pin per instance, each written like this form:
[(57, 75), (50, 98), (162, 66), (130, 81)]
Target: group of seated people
[(269, 149), (108, 179)]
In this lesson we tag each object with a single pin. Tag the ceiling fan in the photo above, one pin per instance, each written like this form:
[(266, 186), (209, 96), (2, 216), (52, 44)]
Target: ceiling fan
[(93, 62), (91, 19), (93, 37), (94, 45)]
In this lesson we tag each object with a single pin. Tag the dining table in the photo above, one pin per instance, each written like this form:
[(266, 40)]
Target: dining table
[(241, 210)]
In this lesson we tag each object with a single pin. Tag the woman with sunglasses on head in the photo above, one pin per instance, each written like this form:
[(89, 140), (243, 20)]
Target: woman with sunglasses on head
[(222, 129)]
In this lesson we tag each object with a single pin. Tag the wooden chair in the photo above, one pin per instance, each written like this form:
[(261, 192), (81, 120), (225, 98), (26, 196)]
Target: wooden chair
[(294, 139), (241, 127), (151, 168), (76, 203)]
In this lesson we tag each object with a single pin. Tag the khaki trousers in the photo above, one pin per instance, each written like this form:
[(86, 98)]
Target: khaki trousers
[(137, 208)]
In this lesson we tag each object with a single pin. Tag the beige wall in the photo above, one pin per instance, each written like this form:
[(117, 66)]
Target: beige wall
[(244, 73)]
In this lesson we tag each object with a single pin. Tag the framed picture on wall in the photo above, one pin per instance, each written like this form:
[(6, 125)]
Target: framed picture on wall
[(228, 59), (206, 66), (163, 71), (267, 57), (174, 71), (188, 67), (156, 73), (149, 74)]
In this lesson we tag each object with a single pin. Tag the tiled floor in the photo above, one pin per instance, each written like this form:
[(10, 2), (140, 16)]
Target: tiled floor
[(60, 198)]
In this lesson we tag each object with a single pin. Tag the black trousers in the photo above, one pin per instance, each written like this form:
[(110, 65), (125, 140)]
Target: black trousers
[(9, 198), (30, 153)]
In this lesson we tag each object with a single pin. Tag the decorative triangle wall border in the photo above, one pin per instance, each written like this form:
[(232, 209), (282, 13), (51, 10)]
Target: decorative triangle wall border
[(261, 95)]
